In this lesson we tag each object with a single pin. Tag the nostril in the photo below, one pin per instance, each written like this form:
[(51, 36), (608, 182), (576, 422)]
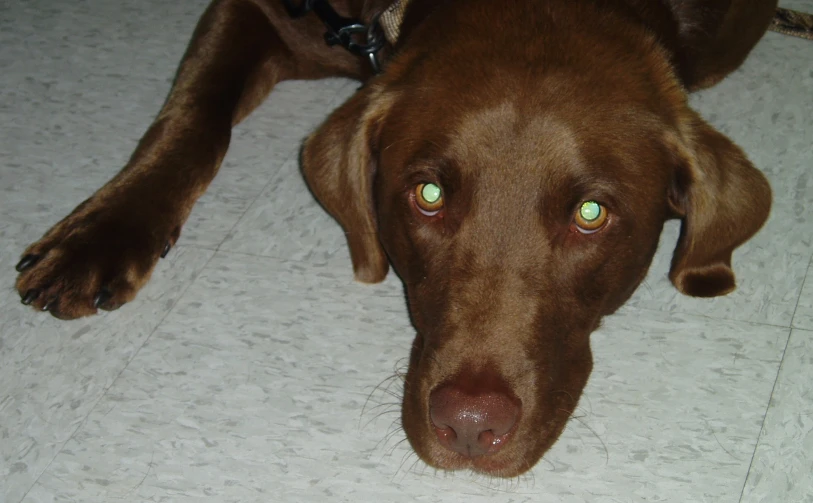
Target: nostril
[(472, 423), (446, 434)]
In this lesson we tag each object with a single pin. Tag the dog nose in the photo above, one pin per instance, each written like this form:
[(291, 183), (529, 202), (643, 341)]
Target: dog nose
[(472, 423)]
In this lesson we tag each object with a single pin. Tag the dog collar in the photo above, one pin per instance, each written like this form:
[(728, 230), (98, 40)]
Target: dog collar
[(391, 20), (351, 33)]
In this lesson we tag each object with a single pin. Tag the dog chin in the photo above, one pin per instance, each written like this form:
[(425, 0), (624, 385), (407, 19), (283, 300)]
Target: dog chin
[(493, 465), (511, 462)]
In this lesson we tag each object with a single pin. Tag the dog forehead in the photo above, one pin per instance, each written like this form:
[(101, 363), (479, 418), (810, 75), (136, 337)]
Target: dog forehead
[(505, 136), (558, 147), (507, 153), (509, 162)]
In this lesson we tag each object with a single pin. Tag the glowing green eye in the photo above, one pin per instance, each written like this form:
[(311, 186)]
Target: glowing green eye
[(428, 198), (430, 193), (590, 217), (590, 210)]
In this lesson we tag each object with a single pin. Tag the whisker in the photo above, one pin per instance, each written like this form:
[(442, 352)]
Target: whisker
[(378, 416), (606, 450), (404, 458), (396, 446), (550, 463), (413, 465), (394, 429)]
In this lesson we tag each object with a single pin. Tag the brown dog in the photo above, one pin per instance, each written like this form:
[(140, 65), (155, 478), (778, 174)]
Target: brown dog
[(515, 162)]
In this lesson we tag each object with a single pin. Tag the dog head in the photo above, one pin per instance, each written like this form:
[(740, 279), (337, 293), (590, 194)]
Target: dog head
[(519, 191)]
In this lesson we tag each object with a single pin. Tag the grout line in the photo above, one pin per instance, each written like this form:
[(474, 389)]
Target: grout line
[(215, 250), (801, 291), (776, 381), (765, 417), (286, 160), (268, 257), (116, 378), (221, 251), (701, 315)]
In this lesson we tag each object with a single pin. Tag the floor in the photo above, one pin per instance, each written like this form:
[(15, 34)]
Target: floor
[(247, 370)]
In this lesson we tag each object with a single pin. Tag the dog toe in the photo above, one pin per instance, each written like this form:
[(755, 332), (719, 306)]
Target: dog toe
[(102, 298), (27, 262), (29, 296)]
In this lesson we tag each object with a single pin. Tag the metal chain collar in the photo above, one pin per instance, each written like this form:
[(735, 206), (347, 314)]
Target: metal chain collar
[(350, 33)]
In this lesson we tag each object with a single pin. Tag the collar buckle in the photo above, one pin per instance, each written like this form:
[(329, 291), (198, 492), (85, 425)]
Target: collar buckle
[(350, 33)]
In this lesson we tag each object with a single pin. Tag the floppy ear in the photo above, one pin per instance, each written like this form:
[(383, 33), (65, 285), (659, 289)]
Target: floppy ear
[(722, 199), (338, 166)]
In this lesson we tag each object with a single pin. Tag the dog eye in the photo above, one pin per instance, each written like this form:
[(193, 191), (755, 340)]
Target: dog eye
[(428, 198), (590, 217)]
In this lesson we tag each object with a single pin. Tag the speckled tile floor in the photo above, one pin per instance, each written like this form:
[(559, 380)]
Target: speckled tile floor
[(242, 372)]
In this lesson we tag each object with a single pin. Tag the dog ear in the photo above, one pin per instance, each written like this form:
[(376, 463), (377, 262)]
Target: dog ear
[(723, 200), (339, 167)]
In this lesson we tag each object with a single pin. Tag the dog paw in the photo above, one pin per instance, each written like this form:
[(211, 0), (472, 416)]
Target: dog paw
[(93, 259)]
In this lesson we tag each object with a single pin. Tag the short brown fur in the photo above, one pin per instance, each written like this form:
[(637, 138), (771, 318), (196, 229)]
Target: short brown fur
[(520, 111)]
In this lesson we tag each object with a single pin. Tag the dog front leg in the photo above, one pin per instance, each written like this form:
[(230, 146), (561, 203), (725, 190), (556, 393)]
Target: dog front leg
[(100, 255)]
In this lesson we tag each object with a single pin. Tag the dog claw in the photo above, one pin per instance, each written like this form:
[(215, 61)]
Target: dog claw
[(103, 296), (50, 304), (26, 262), (167, 247), (30, 296)]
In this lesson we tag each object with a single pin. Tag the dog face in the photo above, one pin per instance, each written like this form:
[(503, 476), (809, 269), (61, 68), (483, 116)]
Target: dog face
[(519, 205), (505, 277)]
